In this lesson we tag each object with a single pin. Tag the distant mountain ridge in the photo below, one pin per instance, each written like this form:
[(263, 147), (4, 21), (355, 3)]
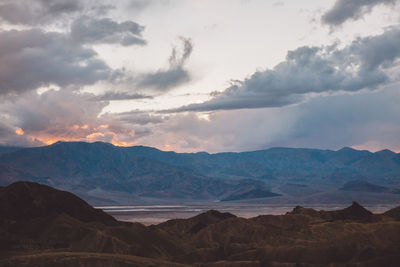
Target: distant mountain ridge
[(101, 172)]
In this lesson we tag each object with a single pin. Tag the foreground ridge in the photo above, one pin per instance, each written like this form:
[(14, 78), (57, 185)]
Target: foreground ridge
[(43, 226)]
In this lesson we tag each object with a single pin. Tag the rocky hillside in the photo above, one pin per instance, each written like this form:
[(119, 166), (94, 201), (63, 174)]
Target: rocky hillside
[(55, 228)]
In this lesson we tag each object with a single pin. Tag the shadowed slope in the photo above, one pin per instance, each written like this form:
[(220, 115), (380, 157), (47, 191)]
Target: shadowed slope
[(73, 259), (393, 213), (37, 217), (52, 233), (196, 223), (28, 200)]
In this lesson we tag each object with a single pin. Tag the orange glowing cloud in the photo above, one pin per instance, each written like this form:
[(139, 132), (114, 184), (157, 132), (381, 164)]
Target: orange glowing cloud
[(121, 143), (52, 140), (117, 142), (94, 136), (77, 127), (86, 133), (19, 131)]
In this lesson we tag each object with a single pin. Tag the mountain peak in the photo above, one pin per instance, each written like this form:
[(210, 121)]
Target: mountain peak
[(66, 143), (356, 205), (347, 149), (356, 211), (212, 216), (385, 152), (303, 211), (218, 214)]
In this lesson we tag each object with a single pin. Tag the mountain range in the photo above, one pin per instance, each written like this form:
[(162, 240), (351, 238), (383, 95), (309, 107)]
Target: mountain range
[(41, 226), (102, 173)]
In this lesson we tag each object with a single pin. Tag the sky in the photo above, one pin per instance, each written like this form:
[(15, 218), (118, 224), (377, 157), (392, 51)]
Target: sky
[(206, 75)]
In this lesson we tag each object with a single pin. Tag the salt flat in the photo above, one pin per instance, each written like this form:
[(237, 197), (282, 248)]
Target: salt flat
[(154, 214)]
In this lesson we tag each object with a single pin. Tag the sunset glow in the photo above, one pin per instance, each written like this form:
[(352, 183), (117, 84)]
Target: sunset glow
[(236, 76), (147, 129), (19, 131)]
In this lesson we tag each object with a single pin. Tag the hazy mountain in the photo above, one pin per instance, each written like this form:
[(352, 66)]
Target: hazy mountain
[(363, 186), (251, 194), (101, 172), (8, 149), (41, 226), (101, 167)]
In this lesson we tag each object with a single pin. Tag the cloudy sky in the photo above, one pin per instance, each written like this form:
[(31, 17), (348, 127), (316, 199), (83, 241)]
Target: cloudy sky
[(207, 75)]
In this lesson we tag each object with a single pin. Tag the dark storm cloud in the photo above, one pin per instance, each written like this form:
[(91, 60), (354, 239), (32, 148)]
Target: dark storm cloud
[(35, 12), (175, 75), (111, 95), (33, 58), (36, 57), (344, 10), (361, 65), (92, 31), (346, 120), (369, 120), (376, 51)]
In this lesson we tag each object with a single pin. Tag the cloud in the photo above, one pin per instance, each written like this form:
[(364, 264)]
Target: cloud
[(278, 4), (323, 122), (189, 133), (51, 116), (9, 136), (92, 31), (35, 12), (360, 65), (34, 57), (111, 95), (344, 10), (135, 117), (6, 129), (376, 51), (346, 120), (175, 75), (30, 59), (368, 121), (135, 5), (69, 116)]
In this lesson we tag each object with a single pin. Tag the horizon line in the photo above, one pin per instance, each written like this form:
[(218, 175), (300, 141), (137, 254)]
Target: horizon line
[(211, 153)]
